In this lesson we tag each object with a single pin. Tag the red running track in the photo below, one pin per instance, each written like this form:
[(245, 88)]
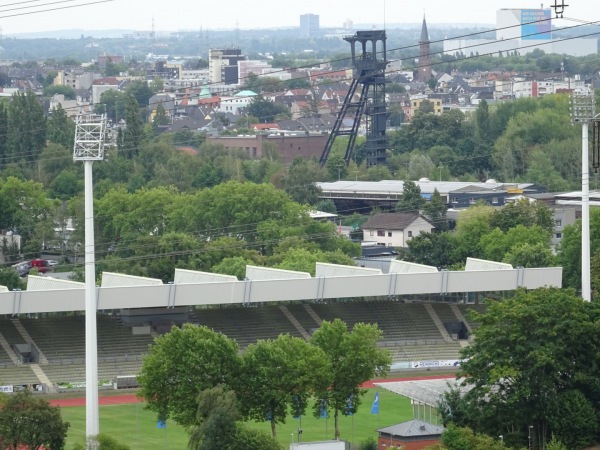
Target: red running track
[(132, 398)]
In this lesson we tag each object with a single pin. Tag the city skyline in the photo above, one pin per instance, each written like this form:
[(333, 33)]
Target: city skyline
[(229, 14)]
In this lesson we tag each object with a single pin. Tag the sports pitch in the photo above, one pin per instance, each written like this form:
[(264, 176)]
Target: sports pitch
[(133, 425)]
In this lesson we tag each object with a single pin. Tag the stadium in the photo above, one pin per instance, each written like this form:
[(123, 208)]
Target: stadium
[(422, 312)]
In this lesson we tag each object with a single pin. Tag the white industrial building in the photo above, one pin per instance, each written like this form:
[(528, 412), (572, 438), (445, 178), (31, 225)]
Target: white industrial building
[(522, 30)]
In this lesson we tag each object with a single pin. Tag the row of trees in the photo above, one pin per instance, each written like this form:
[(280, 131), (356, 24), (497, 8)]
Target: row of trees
[(518, 234), (527, 139), (271, 379)]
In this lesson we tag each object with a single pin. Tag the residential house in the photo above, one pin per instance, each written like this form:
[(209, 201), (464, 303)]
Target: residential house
[(395, 229)]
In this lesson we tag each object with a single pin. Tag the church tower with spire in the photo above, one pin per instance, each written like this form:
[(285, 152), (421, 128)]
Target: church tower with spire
[(424, 66)]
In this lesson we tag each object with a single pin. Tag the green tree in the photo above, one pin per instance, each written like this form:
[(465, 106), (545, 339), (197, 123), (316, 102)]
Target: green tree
[(134, 128), (456, 438), (55, 159), (472, 225), (180, 365), (304, 260), (266, 110), (141, 92), (411, 201), (112, 103), (435, 210), (26, 127), (496, 244), (28, 421), (67, 91), (9, 277), (61, 129), (298, 83), (235, 265), (23, 204), (4, 127), (355, 358), (280, 375), (569, 249), (541, 170), (299, 183), (433, 249), (216, 420), (161, 117), (530, 255), (523, 212), (250, 439), (336, 167), (156, 85), (543, 345)]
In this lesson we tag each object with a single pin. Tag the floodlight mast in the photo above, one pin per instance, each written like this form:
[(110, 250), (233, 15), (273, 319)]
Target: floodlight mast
[(583, 110), (90, 130)]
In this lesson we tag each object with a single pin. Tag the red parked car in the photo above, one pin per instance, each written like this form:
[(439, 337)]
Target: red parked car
[(40, 264)]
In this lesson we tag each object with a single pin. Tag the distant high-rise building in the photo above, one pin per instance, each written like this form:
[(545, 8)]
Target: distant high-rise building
[(223, 65), (309, 24), (424, 65)]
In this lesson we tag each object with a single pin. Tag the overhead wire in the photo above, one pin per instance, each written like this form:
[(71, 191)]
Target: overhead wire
[(58, 8)]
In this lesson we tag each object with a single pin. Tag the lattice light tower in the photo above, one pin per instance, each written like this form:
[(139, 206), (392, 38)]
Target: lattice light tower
[(583, 110), (90, 132), (369, 64)]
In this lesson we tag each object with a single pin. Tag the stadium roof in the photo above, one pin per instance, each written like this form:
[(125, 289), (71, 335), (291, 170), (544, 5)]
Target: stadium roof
[(425, 392), (332, 281)]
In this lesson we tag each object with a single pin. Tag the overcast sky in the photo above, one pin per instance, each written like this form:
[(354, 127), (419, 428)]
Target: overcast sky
[(212, 14)]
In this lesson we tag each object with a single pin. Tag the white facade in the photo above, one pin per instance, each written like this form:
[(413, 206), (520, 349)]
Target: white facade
[(397, 238), (233, 104), (99, 89), (252, 66), (522, 30)]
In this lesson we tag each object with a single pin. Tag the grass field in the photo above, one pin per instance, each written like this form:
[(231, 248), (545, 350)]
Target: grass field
[(133, 425)]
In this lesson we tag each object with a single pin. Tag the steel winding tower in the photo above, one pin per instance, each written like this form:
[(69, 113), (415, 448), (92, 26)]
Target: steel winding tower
[(369, 64)]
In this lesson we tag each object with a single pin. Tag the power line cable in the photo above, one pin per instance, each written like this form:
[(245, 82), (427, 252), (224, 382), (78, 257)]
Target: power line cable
[(34, 6), (54, 9)]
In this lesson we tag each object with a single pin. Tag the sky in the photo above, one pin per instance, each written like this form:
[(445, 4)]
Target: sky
[(176, 15)]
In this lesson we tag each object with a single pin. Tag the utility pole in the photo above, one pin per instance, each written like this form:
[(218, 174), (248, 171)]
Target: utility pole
[(583, 111), (90, 131)]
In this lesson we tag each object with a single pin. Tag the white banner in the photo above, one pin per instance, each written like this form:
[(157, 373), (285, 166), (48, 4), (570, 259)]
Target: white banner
[(7, 389), (439, 363)]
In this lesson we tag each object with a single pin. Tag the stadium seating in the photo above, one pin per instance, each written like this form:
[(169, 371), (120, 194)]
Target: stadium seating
[(409, 333)]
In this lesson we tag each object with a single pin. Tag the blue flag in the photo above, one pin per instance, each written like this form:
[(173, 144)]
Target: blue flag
[(161, 424), (375, 407), (323, 414), (348, 410)]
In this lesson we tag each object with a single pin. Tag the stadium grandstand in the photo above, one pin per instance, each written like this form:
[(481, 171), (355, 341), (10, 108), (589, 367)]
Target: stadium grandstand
[(422, 312)]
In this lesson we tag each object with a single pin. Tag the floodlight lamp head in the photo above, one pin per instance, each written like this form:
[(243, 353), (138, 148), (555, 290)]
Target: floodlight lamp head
[(90, 132), (583, 108)]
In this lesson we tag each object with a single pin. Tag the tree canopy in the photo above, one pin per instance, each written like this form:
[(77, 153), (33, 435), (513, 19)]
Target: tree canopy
[(533, 362), (31, 422), (355, 358), (180, 365)]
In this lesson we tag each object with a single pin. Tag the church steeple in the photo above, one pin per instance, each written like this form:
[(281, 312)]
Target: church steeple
[(424, 32), (424, 66)]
